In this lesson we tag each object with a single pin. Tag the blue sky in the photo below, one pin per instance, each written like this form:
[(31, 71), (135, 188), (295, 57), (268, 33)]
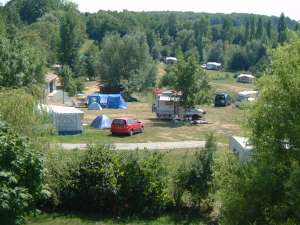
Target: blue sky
[(264, 7)]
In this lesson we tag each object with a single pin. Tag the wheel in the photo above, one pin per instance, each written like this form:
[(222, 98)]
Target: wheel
[(131, 133), (142, 130)]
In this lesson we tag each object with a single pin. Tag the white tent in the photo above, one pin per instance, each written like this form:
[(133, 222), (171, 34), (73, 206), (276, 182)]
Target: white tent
[(67, 120), (246, 78), (241, 147)]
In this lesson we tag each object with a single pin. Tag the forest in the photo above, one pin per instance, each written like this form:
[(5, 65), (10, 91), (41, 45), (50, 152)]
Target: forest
[(55, 32)]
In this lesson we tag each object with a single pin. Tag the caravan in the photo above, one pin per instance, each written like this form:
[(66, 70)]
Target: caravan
[(167, 106), (245, 96)]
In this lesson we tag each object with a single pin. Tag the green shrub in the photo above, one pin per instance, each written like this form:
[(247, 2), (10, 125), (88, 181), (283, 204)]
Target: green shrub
[(142, 184), (21, 177), (195, 178), (94, 185)]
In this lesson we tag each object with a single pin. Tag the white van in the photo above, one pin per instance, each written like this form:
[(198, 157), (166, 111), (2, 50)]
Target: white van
[(245, 96)]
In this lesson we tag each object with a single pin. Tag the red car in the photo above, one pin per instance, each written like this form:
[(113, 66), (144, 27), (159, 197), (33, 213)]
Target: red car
[(126, 125)]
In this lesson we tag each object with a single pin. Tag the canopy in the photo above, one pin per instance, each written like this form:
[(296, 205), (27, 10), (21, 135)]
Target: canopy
[(114, 101), (101, 122)]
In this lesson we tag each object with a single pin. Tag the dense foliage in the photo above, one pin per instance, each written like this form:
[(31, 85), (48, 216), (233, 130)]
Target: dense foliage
[(21, 176), (195, 177), (126, 60), (107, 182), (266, 189)]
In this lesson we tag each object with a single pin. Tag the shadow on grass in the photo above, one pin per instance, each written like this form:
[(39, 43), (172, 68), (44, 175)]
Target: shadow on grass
[(168, 123)]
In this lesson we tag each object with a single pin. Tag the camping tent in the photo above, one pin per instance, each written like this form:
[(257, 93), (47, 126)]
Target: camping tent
[(246, 78), (94, 106), (66, 120), (114, 101), (101, 122)]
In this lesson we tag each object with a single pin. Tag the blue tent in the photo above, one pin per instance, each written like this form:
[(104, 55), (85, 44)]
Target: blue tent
[(94, 106), (113, 101), (101, 122)]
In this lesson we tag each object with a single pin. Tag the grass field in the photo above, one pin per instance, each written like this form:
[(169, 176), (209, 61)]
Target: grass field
[(223, 122), (60, 219)]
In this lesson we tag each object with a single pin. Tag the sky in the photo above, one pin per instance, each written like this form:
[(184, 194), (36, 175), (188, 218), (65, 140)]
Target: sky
[(264, 7)]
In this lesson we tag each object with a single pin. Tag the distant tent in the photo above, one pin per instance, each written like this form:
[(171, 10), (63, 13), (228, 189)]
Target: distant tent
[(101, 122), (114, 101), (94, 106)]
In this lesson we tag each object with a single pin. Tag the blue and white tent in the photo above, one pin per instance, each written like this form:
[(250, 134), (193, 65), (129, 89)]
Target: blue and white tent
[(112, 101), (94, 106), (66, 120), (101, 122)]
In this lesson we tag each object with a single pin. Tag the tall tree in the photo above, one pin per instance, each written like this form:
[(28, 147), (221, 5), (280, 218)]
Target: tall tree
[(192, 82), (282, 29), (71, 38), (269, 29), (252, 28), (22, 65), (126, 60), (259, 29), (33, 9), (267, 187)]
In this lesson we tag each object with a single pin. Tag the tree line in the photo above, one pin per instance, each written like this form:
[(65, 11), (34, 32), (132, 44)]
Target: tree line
[(122, 47)]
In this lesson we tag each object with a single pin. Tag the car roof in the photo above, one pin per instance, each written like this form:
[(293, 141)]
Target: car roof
[(221, 93), (124, 118)]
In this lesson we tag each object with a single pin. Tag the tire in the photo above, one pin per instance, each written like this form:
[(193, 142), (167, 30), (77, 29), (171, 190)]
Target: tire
[(131, 133), (142, 130)]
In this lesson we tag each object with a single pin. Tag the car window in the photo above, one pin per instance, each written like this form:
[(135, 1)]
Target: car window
[(119, 122)]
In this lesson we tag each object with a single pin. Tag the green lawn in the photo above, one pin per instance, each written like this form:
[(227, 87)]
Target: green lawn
[(59, 219), (224, 122)]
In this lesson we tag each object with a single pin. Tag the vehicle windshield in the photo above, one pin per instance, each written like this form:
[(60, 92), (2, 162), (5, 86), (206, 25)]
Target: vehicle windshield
[(220, 97)]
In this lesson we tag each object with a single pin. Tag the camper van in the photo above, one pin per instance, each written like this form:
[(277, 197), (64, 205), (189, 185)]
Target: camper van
[(213, 66), (167, 106), (222, 99), (245, 96)]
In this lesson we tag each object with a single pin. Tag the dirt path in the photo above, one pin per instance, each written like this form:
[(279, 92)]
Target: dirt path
[(141, 146)]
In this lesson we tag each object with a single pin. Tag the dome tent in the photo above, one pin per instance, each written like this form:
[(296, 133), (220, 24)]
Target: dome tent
[(101, 122), (113, 101), (94, 106)]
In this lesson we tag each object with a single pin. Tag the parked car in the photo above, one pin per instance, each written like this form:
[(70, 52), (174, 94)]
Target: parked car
[(222, 99), (126, 125)]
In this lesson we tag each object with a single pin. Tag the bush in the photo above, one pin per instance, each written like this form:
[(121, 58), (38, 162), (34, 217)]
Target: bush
[(95, 183), (142, 184), (18, 107), (21, 177), (103, 181), (195, 178)]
